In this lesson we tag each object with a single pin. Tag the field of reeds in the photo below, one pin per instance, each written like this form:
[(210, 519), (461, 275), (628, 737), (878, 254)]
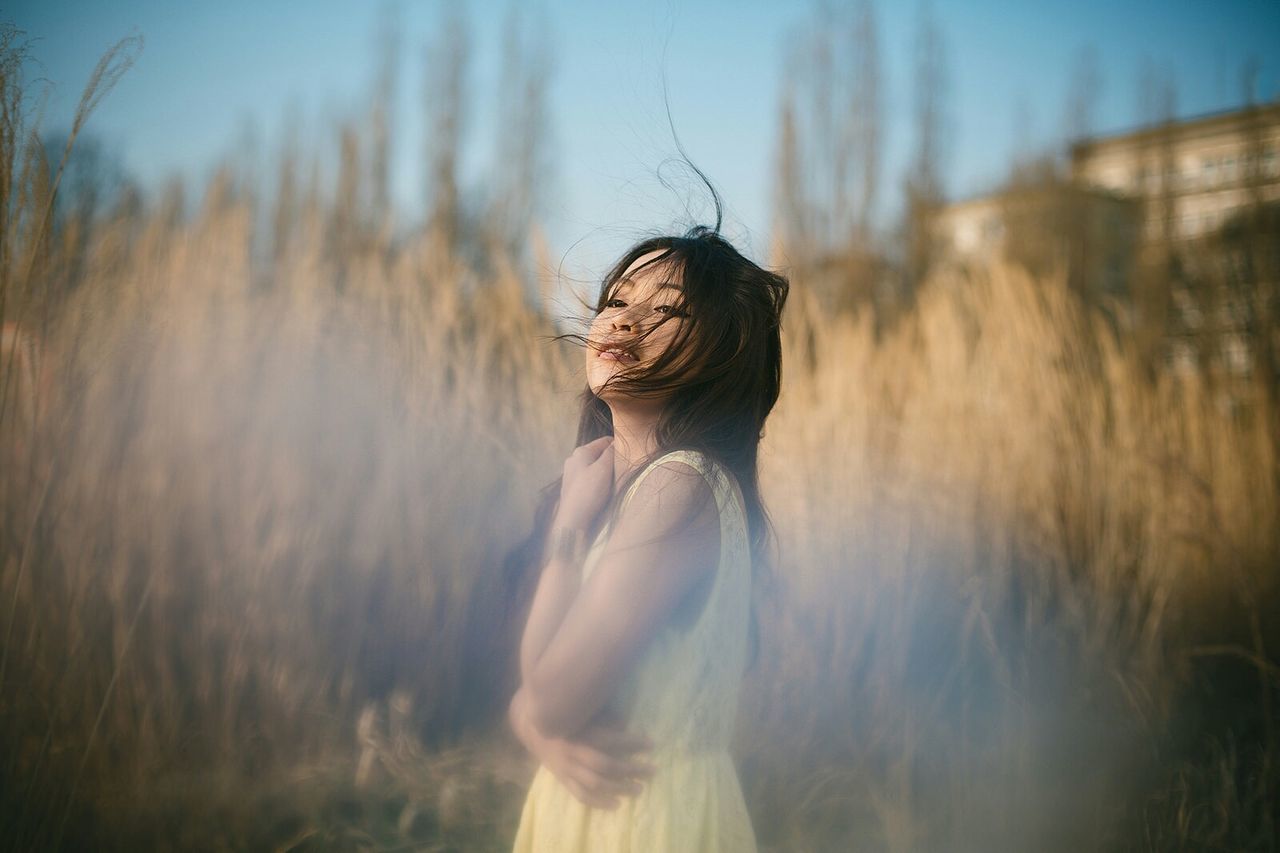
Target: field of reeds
[(258, 485)]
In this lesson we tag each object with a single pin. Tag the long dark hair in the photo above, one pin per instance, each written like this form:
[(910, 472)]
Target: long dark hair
[(720, 377)]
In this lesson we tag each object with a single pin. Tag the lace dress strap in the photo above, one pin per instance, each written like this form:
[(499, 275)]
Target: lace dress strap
[(695, 459)]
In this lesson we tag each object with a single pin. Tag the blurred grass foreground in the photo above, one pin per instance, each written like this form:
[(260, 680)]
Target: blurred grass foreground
[(262, 462)]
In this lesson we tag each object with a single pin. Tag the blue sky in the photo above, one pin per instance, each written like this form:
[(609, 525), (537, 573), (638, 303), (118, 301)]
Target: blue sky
[(212, 76)]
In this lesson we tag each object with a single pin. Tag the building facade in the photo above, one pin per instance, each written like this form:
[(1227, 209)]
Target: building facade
[(1192, 176), (1209, 190), (1087, 234), (1177, 226)]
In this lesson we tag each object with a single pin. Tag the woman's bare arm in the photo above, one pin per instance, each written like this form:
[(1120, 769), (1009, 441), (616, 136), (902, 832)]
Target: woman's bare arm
[(557, 587), (665, 540), (584, 490)]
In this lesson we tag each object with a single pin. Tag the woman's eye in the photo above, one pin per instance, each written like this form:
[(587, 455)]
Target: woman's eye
[(671, 309), (615, 303)]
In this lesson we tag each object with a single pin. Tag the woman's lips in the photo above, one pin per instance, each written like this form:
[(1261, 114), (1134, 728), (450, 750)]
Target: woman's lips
[(615, 355)]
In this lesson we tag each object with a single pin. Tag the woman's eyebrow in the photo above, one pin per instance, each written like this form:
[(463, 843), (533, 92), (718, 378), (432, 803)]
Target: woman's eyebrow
[(666, 285)]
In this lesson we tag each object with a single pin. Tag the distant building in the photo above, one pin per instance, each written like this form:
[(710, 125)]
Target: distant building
[(1209, 187), (1175, 225), (1192, 175), (1088, 234)]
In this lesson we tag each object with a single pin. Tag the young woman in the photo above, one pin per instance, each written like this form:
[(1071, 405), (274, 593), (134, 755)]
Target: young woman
[(637, 637)]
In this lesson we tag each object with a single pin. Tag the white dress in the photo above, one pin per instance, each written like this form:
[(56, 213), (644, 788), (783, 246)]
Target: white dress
[(683, 694)]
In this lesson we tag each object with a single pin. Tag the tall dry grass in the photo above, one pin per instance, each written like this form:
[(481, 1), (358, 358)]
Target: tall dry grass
[(253, 592), (1007, 557)]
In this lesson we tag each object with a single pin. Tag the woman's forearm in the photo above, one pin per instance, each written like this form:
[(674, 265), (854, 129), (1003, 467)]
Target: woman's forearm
[(558, 585), (518, 719)]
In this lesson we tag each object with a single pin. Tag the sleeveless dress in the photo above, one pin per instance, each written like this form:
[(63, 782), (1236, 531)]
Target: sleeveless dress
[(683, 694)]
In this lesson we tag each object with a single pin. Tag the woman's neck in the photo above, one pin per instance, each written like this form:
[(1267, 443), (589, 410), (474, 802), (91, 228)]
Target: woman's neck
[(635, 437)]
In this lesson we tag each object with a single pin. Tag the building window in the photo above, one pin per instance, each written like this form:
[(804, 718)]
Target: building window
[(1208, 171), (1235, 352), (1191, 314), (1231, 312), (1182, 358), (1269, 160)]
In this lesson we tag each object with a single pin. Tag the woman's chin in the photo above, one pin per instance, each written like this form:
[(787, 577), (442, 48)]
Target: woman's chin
[(606, 387), (606, 392), (601, 377)]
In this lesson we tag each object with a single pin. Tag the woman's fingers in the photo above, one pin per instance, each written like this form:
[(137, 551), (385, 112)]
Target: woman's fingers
[(618, 754), (620, 770), (602, 455), (599, 780), (588, 797), (616, 741), (586, 455), (604, 789), (589, 787), (604, 764), (592, 449), (587, 484)]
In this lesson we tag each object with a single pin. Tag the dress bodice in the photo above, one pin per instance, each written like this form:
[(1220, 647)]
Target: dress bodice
[(683, 691)]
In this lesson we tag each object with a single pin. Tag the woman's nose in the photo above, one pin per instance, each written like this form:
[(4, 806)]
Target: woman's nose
[(624, 320), (630, 318)]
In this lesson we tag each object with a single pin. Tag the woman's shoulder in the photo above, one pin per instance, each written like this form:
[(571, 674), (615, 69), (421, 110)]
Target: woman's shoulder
[(679, 461), (701, 461), (690, 456), (673, 485)]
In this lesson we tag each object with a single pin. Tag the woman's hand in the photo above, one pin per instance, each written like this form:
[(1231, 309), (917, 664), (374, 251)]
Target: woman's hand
[(599, 765), (587, 484)]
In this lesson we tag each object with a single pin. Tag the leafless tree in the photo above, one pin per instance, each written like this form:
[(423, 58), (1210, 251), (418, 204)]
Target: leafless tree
[(789, 225), (1156, 282), (1024, 153), (287, 202), (446, 61), (523, 166), (867, 119), (387, 49), (829, 147), (1082, 96), (1250, 241), (1086, 245), (923, 185), (829, 150)]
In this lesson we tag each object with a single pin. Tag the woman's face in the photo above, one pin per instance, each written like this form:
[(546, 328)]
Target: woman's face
[(641, 300)]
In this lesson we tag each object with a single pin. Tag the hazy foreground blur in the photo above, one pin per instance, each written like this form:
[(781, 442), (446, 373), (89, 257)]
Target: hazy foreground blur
[(262, 461)]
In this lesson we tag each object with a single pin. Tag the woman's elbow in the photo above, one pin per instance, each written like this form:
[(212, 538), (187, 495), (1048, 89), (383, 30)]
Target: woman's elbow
[(547, 712)]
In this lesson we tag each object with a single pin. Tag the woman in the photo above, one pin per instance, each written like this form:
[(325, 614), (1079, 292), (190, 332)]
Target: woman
[(635, 646)]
